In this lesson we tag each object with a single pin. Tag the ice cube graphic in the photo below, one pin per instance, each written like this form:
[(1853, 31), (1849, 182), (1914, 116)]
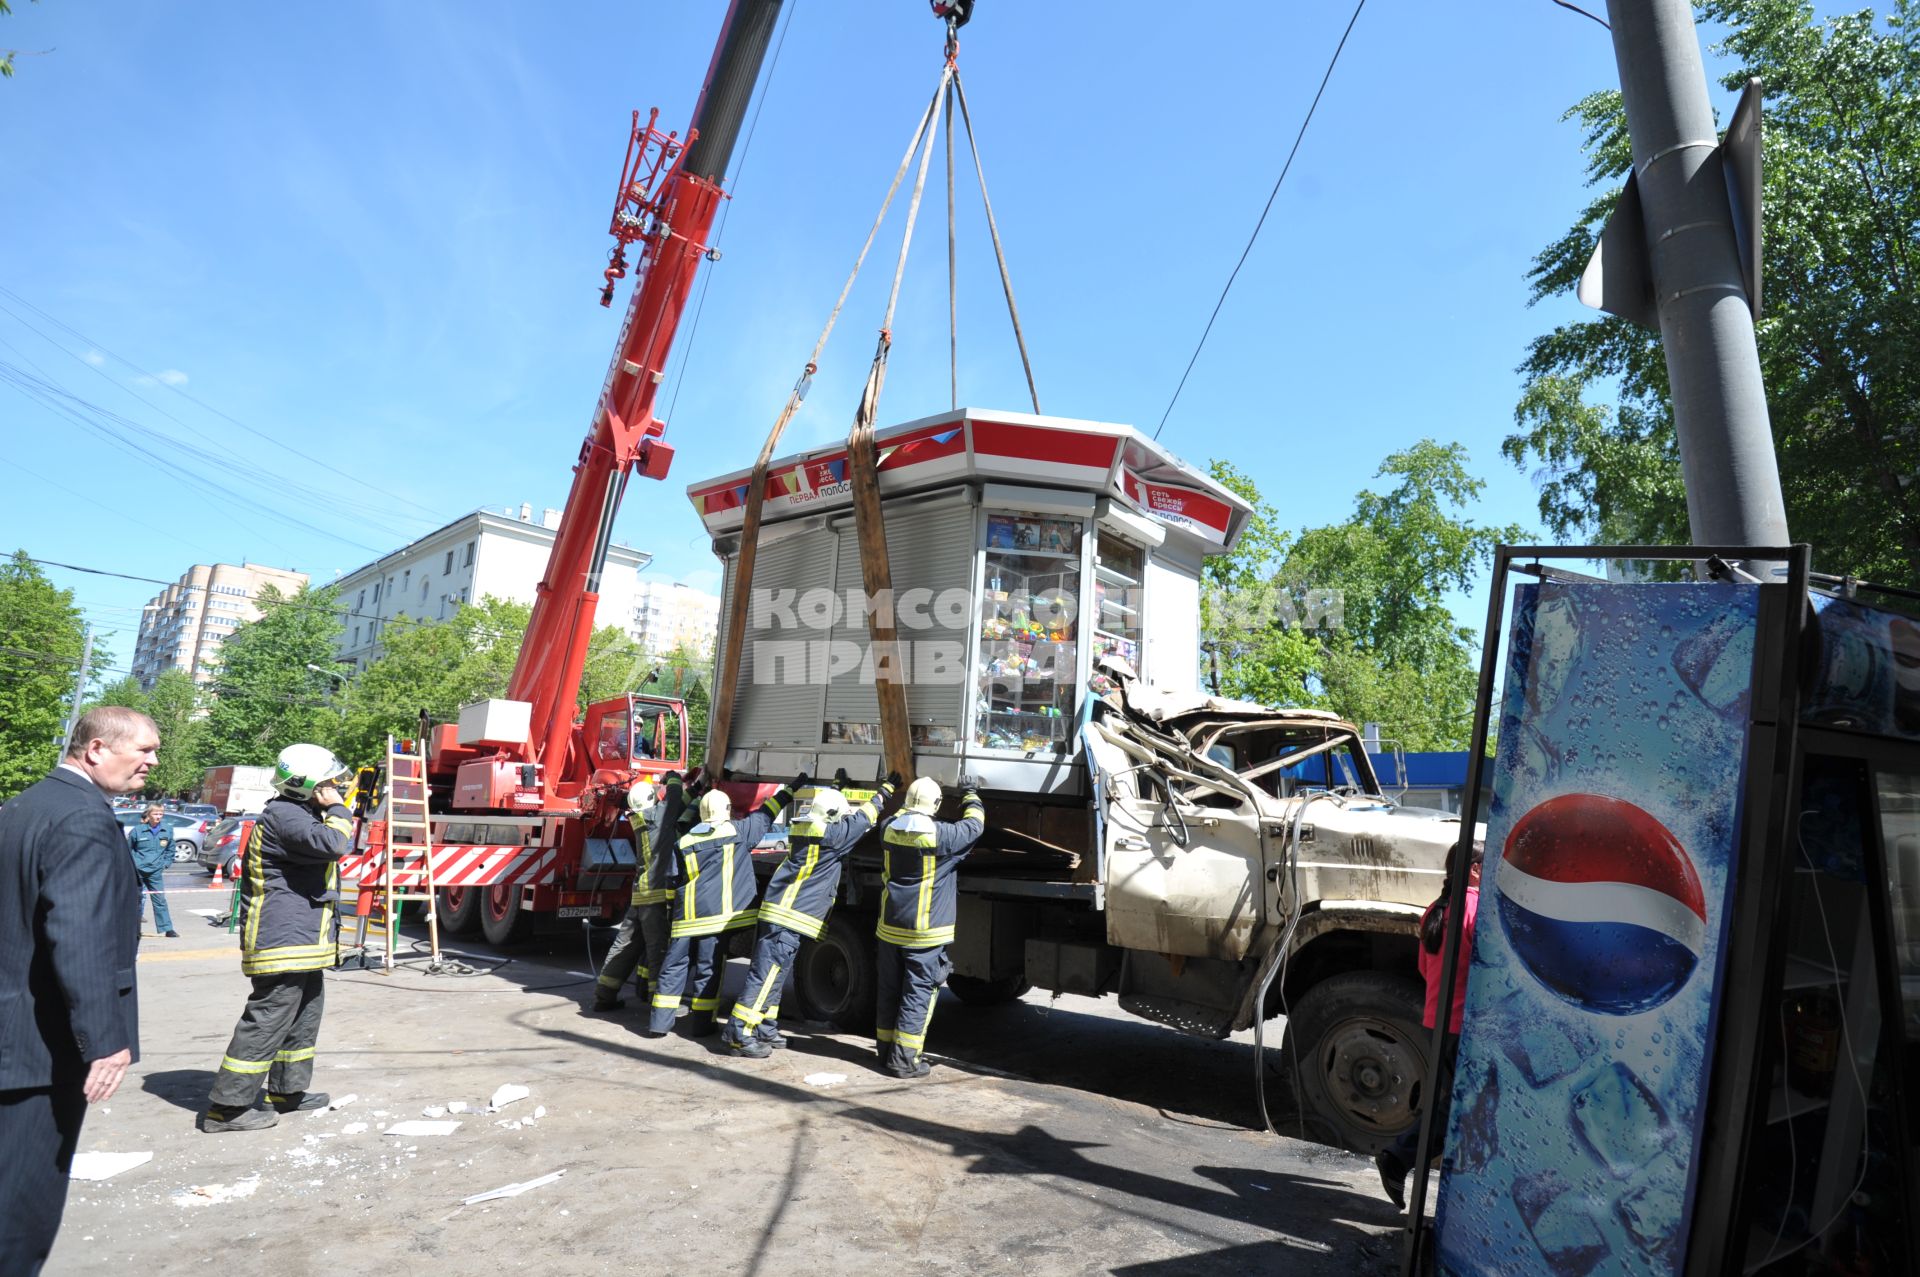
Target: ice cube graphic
[(1476, 1135), (1561, 1223), (1543, 1046), (1650, 1208), (1619, 1119), (1554, 641), (1716, 663)]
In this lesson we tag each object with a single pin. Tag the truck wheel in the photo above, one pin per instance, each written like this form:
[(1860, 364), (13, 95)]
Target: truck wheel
[(502, 920), (1358, 1047), (459, 911), (834, 975), (976, 992)]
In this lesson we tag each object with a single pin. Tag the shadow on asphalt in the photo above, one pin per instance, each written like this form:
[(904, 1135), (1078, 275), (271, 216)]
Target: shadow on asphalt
[(182, 1088), (1311, 1218), (1190, 1080)]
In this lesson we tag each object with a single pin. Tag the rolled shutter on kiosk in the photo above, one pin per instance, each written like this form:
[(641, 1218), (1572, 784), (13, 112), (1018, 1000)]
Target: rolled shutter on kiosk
[(931, 548), (777, 703)]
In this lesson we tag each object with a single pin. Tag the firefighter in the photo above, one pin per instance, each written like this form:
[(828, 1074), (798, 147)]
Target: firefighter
[(642, 938), (714, 894), (289, 885), (923, 858), (820, 836)]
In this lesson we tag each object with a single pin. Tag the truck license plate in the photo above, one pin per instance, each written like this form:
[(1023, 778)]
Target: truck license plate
[(578, 911)]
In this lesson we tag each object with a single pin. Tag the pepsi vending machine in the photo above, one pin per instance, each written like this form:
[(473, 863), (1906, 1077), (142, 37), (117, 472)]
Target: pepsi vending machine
[(1692, 1013)]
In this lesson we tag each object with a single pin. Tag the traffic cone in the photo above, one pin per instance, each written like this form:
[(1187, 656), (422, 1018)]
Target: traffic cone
[(219, 877)]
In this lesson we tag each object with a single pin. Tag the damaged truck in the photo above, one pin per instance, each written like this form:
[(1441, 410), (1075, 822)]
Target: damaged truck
[(1209, 863)]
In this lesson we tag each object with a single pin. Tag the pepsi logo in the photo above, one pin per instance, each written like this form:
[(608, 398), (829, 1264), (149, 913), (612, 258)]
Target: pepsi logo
[(1601, 903)]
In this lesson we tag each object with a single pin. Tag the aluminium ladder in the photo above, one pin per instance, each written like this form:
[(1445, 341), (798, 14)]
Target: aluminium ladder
[(403, 871)]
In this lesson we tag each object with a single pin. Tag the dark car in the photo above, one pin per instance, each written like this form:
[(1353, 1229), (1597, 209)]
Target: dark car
[(224, 843), (188, 831)]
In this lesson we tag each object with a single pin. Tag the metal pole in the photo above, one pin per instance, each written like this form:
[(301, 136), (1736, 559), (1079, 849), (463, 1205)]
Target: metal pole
[(79, 691), (1706, 324)]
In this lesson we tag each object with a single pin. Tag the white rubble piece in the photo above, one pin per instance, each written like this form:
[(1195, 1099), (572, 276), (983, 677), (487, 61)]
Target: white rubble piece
[(824, 1079), (456, 1106), (216, 1194), (513, 1190), (353, 1128), (510, 1093), (434, 1110), (105, 1165), (422, 1128), (341, 1103)]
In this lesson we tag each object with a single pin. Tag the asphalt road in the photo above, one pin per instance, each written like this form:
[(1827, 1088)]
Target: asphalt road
[(1052, 1138)]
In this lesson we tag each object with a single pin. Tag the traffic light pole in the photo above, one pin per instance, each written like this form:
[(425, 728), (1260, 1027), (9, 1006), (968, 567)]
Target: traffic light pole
[(1706, 317)]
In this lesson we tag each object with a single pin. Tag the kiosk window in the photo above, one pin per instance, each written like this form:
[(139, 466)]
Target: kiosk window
[(1029, 633)]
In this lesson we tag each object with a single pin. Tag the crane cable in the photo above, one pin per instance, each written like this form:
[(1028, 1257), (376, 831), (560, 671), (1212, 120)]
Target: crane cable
[(862, 463)]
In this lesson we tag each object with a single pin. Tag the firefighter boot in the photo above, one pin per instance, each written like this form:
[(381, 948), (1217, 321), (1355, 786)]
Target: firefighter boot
[(753, 1049), (298, 1101), (215, 1120)]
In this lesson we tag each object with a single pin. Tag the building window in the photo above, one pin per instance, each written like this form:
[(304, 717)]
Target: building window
[(406, 579), (356, 636), (376, 591), (469, 560), (449, 567), (363, 599)]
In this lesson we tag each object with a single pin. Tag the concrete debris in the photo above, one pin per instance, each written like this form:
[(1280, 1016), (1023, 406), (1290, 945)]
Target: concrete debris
[(215, 1194), (456, 1106), (353, 1128), (824, 1079), (513, 1190), (434, 1110), (341, 1103), (105, 1165), (540, 1112), (511, 1093), (511, 1124), (422, 1128)]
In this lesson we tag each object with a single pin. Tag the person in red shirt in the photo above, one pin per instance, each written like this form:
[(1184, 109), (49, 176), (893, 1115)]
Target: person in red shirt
[(1396, 1159)]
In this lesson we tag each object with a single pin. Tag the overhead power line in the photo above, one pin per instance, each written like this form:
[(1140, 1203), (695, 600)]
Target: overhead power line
[(1332, 62), (306, 456)]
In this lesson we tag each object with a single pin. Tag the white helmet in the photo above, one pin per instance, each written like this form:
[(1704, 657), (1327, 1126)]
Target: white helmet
[(827, 806), (715, 807), (640, 799), (923, 795), (301, 769)]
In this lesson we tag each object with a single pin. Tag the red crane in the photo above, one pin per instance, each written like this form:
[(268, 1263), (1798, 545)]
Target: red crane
[(670, 190)]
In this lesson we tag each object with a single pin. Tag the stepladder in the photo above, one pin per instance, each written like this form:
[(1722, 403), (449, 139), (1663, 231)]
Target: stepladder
[(402, 870)]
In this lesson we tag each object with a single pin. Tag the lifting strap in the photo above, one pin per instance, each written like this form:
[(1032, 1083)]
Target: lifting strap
[(862, 462)]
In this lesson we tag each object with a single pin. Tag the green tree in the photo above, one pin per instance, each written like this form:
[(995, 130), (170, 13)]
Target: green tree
[(41, 637), (265, 696), (1398, 656), (122, 691), (683, 672), (1839, 343), (1252, 645), (174, 706), (7, 55)]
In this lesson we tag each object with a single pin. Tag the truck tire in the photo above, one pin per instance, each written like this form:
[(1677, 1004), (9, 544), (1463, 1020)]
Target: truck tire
[(459, 911), (834, 976), (502, 920), (976, 992), (1360, 1052)]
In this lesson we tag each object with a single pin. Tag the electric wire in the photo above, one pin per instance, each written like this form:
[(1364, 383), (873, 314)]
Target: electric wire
[(1564, 4), (1286, 168), (306, 457)]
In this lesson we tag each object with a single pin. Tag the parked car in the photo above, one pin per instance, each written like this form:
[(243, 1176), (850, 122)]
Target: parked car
[(206, 811), (224, 843), (189, 832)]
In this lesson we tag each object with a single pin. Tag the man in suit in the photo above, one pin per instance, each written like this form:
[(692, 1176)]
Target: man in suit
[(69, 1022)]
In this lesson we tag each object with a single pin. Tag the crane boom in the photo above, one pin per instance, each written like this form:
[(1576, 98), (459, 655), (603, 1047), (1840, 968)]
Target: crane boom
[(669, 194)]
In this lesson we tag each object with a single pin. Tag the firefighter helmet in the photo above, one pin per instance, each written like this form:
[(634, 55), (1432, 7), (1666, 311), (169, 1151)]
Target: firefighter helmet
[(301, 769), (715, 807), (828, 806), (923, 795)]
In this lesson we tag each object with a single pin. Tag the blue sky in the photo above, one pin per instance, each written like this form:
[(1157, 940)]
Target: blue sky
[(369, 237)]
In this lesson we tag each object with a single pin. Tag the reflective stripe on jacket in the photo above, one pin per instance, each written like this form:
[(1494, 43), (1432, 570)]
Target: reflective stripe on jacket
[(717, 887), (922, 863), (801, 892), (649, 879), (289, 885)]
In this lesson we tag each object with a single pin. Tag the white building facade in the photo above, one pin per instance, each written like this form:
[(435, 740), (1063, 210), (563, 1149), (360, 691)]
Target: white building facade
[(498, 553), (183, 626), (667, 615)]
